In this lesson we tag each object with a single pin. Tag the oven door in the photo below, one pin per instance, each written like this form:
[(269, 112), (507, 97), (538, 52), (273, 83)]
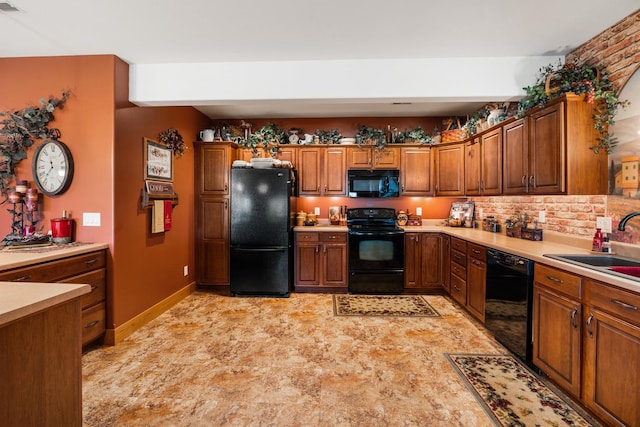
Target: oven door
[(376, 250)]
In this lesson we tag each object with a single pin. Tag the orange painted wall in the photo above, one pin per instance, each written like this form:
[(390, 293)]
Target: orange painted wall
[(105, 133)]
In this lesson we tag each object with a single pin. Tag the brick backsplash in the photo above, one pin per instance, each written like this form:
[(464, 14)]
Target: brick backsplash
[(575, 215)]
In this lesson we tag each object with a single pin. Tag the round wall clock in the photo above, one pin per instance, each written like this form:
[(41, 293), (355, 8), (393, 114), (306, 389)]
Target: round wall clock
[(52, 167)]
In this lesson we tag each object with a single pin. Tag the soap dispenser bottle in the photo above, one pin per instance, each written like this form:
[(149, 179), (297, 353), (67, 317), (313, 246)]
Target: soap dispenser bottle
[(597, 241)]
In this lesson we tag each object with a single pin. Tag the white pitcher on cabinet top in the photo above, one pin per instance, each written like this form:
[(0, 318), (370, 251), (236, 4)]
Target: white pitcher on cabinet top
[(206, 135)]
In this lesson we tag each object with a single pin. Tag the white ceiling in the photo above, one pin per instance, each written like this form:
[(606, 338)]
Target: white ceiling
[(209, 31)]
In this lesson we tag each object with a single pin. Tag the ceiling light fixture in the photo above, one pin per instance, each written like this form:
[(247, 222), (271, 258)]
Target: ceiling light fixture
[(8, 7)]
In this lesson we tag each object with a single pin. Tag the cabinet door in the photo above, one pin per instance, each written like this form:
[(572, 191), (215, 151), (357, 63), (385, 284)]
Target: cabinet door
[(546, 150), (386, 158), (335, 177), (431, 252), (415, 164), (287, 153), (307, 264), (516, 157), (557, 338), (359, 158), (212, 169), (491, 179), (611, 375), (476, 281), (310, 171), (450, 170), (213, 241), (334, 266), (412, 260), (472, 168)]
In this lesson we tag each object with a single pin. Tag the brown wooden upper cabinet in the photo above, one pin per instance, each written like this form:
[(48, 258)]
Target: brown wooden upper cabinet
[(416, 172), (321, 171), (483, 164), (548, 151), (369, 157), (449, 176)]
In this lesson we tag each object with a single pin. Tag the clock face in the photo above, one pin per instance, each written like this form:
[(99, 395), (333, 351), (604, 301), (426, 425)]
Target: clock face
[(52, 167)]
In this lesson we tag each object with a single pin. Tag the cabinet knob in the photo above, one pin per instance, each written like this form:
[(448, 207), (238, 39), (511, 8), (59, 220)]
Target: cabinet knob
[(589, 330)]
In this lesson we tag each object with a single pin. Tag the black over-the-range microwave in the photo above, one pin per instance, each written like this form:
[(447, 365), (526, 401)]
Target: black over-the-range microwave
[(375, 183)]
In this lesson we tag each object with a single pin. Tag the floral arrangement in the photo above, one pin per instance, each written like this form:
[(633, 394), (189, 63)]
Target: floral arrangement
[(416, 135), (578, 78), (173, 140), (373, 135), (19, 130)]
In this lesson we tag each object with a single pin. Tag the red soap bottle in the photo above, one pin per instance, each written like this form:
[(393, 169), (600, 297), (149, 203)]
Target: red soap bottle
[(597, 241)]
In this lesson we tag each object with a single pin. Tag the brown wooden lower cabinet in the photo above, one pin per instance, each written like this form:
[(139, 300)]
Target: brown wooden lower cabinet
[(423, 254), (458, 268), (587, 340), (89, 268), (320, 261)]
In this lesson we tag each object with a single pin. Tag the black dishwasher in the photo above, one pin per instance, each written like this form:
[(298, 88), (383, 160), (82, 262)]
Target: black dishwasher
[(509, 302)]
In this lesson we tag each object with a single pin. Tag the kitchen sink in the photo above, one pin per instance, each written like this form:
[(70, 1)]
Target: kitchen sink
[(628, 268), (599, 260)]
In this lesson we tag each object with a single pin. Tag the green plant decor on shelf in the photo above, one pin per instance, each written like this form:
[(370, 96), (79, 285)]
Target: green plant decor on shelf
[(268, 137), (416, 135), (332, 136), (19, 130), (371, 135), (591, 81)]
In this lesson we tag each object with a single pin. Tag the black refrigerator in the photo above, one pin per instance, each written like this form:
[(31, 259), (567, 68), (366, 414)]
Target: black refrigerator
[(260, 257)]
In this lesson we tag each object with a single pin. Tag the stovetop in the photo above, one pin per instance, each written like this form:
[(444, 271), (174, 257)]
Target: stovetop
[(372, 219)]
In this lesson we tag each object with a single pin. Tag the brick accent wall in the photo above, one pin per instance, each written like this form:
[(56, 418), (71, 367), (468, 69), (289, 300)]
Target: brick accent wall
[(565, 214), (617, 49)]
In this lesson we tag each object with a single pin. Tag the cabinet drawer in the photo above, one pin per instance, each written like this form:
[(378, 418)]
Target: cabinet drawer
[(477, 251), (93, 323), (459, 244), (459, 289), (459, 270), (97, 281), (562, 281), (54, 271), (459, 257), (306, 237), (620, 302), (333, 237)]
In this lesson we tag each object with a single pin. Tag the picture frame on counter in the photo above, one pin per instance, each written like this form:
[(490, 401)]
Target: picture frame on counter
[(158, 161)]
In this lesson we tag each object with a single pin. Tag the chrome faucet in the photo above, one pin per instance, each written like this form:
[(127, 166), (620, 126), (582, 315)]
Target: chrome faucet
[(624, 220)]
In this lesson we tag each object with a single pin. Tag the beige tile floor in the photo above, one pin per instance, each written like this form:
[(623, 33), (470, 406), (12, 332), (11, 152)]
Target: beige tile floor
[(214, 360)]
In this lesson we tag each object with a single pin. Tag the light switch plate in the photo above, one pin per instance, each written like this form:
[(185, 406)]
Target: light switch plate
[(419, 211), (316, 211), (604, 223), (542, 216), (91, 219)]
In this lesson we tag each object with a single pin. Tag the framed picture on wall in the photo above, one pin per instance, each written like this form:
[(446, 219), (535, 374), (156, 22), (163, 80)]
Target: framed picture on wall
[(158, 161)]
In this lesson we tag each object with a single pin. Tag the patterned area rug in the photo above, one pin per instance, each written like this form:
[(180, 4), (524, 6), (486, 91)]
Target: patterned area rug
[(512, 395), (383, 305)]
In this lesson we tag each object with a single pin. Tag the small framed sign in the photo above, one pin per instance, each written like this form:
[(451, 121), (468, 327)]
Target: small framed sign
[(159, 189), (158, 161)]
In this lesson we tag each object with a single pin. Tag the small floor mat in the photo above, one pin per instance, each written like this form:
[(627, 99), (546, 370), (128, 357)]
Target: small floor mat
[(383, 305)]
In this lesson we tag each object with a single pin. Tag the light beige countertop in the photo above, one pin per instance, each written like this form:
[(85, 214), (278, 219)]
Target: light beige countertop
[(21, 299), (553, 243), (13, 258)]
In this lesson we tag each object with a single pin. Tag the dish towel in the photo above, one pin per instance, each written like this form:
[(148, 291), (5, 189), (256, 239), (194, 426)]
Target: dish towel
[(168, 215), (157, 217)]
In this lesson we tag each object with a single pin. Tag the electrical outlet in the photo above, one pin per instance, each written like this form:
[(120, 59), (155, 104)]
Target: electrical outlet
[(604, 223), (316, 211), (542, 216), (419, 211), (91, 219), (185, 270)]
